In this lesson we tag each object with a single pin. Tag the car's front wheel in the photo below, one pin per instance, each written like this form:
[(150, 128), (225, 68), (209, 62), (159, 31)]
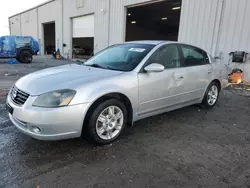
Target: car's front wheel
[(107, 122), (211, 95)]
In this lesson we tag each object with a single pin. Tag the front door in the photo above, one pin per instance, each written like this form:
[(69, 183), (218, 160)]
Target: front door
[(159, 91)]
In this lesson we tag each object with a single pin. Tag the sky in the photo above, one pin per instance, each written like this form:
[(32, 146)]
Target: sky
[(11, 7)]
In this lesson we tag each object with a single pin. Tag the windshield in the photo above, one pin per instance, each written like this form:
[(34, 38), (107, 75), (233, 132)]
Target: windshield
[(123, 57)]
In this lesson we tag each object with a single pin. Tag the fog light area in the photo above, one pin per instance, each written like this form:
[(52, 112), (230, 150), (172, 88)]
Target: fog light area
[(35, 129)]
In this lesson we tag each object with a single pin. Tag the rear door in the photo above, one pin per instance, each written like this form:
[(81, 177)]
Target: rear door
[(198, 71)]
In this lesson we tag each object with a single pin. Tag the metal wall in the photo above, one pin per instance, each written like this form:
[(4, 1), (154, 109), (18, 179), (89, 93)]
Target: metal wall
[(15, 25), (51, 12), (29, 23), (234, 32), (100, 9), (110, 20), (218, 26), (199, 23)]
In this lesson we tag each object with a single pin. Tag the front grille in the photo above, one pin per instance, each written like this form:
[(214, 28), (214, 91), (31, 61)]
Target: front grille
[(18, 97)]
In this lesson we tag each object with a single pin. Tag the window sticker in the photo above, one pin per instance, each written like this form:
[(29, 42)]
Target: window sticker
[(137, 50)]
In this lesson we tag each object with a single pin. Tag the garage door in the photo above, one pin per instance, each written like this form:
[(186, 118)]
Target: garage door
[(83, 26)]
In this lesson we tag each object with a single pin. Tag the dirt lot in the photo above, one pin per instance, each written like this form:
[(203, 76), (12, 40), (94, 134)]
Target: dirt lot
[(190, 147)]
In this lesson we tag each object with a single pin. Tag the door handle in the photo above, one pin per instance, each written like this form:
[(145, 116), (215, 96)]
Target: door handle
[(209, 71), (177, 76), (180, 78)]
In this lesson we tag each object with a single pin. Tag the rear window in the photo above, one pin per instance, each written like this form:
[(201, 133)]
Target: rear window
[(193, 56)]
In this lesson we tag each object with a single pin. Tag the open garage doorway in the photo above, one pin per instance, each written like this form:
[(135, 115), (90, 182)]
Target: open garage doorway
[(49, 32), (154, 21), (83, 37)]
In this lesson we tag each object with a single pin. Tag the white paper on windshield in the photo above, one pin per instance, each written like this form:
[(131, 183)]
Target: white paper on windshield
[(137, 49)]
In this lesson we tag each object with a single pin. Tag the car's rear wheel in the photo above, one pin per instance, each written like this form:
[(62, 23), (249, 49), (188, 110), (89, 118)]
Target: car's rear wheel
[(107, 122), (211, 96), (25, 56)]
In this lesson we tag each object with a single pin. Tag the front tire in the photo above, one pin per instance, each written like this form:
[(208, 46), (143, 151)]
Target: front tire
[(107, 122), (211, 96)]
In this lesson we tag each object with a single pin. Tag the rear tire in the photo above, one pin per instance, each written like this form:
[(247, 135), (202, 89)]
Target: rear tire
[(25, 56), (106, 122), (211, 96)]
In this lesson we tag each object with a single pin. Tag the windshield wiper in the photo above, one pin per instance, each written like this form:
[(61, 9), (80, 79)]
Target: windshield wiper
[(97, 66), (112, 68), (102, 67)]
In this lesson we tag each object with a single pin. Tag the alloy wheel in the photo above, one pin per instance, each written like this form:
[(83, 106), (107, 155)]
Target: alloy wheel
[(212, 95), (109, 123)]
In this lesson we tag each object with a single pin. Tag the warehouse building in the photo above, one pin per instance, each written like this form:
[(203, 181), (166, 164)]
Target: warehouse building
[(218, 26)]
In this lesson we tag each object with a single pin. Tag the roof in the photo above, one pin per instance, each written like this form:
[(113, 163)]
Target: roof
[(157, 42), (49, 1), (154, 42)]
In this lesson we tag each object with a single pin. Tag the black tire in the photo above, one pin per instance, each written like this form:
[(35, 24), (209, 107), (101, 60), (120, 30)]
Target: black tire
[(25, 56), (205, 103), (91, 132)]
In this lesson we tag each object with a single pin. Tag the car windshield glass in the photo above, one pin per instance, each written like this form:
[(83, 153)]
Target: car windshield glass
[(124, 57)]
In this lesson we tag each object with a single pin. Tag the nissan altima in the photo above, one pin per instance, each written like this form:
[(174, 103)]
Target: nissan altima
[(118, 86)]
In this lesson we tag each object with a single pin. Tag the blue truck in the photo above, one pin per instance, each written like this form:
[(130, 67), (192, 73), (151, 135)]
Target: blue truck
[(20, 47)]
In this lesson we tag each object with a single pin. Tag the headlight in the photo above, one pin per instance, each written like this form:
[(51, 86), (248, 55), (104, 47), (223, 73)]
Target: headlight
[(55, 99)]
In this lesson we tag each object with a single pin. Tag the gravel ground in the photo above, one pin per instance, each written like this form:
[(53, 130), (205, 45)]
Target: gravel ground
[(10, 73), (190, 147)]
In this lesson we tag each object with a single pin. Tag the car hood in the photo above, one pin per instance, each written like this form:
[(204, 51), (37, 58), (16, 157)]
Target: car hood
[(62, 77)]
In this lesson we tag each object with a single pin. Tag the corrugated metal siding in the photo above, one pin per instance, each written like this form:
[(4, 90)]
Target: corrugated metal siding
[(15, 25), (218, 26), (134, 2), (198, 22), (235, 28), (215, 25), (101, 11), (234, 33), (29, 23), (117, 22)]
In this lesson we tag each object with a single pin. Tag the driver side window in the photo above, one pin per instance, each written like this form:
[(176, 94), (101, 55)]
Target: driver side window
[(168, 56)]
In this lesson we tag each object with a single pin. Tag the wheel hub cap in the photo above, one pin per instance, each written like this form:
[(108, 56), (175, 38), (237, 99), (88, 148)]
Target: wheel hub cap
[(109, 123), (212, 95)]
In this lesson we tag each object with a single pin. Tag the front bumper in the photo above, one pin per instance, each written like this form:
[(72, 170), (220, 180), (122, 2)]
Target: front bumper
[(52, 123)]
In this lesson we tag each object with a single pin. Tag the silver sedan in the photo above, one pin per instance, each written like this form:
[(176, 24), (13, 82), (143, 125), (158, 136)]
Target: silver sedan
[(118, 86)]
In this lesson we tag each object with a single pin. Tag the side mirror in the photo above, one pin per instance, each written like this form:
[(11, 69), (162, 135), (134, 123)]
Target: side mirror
[(154, 67)]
